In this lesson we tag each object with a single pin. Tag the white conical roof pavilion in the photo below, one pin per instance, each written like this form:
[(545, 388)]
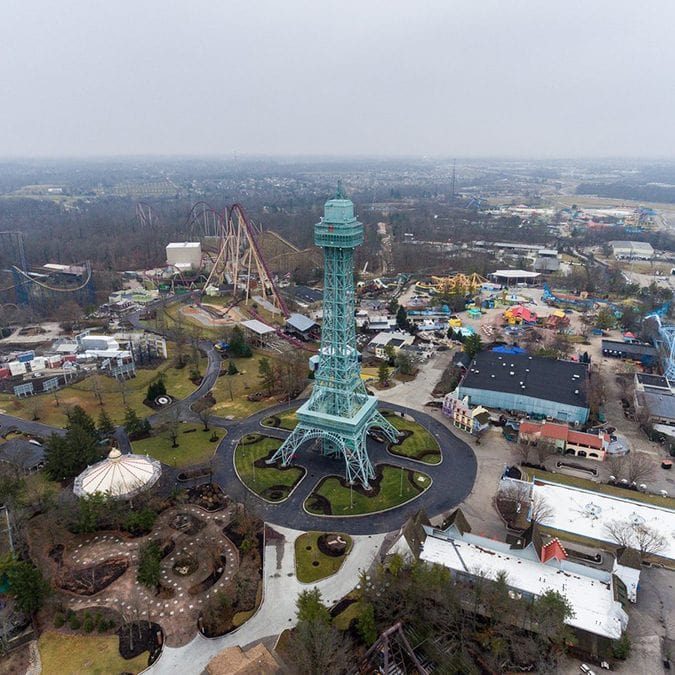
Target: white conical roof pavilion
[(118, 475)]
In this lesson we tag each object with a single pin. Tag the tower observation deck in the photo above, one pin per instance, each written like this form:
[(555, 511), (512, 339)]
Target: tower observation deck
[(339, 412)]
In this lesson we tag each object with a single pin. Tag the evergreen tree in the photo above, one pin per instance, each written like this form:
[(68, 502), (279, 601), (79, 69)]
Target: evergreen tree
[(232, 368), (402, 318), (134, 425), (155, 389), (238, 346), (383, 374), (106, 428), (68, 455), (27, 585), (472, 345), (78, 417)]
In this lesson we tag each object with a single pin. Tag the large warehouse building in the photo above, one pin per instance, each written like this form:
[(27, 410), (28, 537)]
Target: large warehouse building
[(185, 256), (533, 385)]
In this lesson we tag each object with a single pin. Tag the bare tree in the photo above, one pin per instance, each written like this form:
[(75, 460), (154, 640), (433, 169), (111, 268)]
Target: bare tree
[(545, 448), (522, 450), (540, 510), (616, 465), (639, 467), (172, 426), (638, 536), (205, 416)]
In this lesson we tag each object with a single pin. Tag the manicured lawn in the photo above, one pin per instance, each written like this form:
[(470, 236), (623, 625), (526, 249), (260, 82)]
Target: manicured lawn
[(310, 563), (230, 391), (395, 488), (287, 420), (193, 447), (585, 484), (116, 397), (270, 482), (419, 444), (76, 654)]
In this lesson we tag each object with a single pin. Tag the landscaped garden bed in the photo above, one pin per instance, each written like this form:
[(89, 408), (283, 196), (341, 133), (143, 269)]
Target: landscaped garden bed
[(92, 579), (392, 486), (237, 602), (320, 554), (286, 420), (271, 481), (138, 637), (208, 496), (415, 442)]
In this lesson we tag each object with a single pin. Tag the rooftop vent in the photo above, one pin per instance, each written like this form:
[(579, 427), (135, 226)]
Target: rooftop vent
[(511, 373), (576, 391)]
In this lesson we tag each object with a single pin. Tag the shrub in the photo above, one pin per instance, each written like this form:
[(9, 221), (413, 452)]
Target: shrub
[(140, 522), (74, 623), (102, 626), (59, 620), (621, 647), (88, 625), (149, 560)]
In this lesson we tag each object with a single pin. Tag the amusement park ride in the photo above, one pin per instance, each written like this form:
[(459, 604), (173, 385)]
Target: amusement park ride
[(232, 254), (33, 287)]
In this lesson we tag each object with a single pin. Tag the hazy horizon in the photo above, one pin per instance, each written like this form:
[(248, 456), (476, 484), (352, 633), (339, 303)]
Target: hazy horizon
[(336, 80)]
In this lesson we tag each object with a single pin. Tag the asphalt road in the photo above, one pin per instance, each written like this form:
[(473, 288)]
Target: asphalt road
[(452, 479)]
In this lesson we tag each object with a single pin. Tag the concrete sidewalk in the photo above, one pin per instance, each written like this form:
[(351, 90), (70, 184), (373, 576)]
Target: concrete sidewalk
[(277, 611)]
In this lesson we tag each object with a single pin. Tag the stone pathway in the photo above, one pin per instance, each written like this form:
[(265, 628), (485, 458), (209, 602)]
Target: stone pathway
[(176, 614)]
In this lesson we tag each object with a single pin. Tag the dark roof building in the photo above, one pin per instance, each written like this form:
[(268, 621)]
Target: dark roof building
[(629, 351), (533, 385), (22, 454)]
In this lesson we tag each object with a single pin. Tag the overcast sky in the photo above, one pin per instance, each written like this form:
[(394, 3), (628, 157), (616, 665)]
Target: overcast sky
[(391, 77)]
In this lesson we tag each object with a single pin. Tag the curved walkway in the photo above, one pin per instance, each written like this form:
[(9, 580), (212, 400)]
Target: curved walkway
[(452, 479)]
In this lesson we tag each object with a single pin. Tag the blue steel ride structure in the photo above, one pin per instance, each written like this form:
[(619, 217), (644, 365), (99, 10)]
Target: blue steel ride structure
[(339, 412)]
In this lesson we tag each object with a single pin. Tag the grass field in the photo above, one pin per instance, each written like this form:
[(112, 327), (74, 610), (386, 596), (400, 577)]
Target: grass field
[(310, 563), (230, 391), (418, 444), (77, 654), (269, 482), (353, 611), (193, 448), (83, 393), (585, 484), (287, 420), (395, 489)]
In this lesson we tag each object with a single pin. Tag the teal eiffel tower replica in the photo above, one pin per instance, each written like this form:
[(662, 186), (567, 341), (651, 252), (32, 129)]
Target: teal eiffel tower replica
[(339, 411)]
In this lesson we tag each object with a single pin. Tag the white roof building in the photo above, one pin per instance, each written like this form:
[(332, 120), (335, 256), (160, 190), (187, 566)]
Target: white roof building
[(589, 591), (587, 513), (118, 475), (640, 250)]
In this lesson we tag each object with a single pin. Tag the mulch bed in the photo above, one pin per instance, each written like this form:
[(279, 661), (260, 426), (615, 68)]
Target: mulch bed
[(187, 523), (146, 636), (92, 579), (208, 496), (335, 551), (212, 579)]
